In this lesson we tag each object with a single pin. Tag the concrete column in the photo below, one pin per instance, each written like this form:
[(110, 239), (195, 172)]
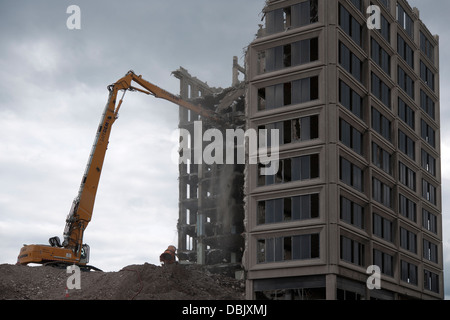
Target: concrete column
[(331, 286), (249, 295), (236, 69)]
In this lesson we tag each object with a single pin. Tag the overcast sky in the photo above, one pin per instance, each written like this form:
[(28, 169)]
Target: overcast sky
[(51, 99), (53, 91)]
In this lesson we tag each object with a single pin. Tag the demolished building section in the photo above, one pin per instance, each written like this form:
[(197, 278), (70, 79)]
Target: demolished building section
[(211, 210)]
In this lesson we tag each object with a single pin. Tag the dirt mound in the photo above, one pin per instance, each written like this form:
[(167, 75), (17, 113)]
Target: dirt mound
[(147, 281)]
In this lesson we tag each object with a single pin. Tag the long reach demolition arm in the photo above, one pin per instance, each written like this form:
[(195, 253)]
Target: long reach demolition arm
[(72, 250)]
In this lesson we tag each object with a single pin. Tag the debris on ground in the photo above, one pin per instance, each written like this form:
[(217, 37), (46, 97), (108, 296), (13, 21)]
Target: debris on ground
[(139, 282)]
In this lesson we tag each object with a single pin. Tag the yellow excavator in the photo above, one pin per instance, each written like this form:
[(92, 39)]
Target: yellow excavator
[(72, 250)]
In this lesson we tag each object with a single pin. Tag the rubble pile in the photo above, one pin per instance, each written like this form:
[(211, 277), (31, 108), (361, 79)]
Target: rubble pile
[(138, 282)]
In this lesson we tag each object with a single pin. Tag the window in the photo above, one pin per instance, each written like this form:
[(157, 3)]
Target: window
[(277, 58), (304, 13), (381, 57), (305, 128), (381, 158), (426, 46), (405, 82), (431, 281), (429, 221), (426, 75), (430, 251), (351, 174), (385, 30), (352, 213), (305, 246), (288, 209), (352, 251), (382, 227), (297, 15), (270, 211), (270, 97), (405, 51), (381, 124), (384, 261), (408, 240), (284, 94), (305, 51), (275, 21), (350, 62), (293, 130), (427, 104), (305, 167), (405, 21), (428, 162), (406, 145), (299, 247), (293, 169), (351, 137), (304, 90), (407, 208), (381, 90), (407, 176), (291, 54), (428, 191), (406, 113), (408, 272), (350, 99), (381, 193), (385, 3), (270, 250), (350, 25), (357, 4), (305, 207), (427, 133)]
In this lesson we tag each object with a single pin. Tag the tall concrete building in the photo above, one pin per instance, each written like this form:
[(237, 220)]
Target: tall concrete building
[(359, 180)]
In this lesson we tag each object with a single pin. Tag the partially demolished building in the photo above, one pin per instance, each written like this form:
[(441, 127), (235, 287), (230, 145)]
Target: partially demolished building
[(358, 188), (211, 211)]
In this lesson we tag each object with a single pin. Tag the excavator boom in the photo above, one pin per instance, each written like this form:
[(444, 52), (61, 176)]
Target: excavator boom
[(72, 250), (158, 92)]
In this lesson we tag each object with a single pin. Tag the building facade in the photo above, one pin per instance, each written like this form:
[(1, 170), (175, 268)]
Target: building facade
[(359, 179)]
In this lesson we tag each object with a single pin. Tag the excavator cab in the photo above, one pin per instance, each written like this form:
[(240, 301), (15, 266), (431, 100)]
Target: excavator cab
[(85, 249), (55, 242)]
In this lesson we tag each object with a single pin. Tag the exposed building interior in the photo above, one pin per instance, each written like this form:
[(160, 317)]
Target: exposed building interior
[(211, 211)]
